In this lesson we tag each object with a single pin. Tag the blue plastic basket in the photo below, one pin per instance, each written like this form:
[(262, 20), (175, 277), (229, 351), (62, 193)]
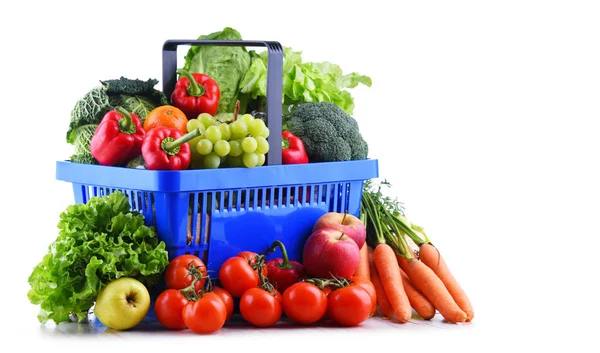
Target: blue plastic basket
[(216, 213)]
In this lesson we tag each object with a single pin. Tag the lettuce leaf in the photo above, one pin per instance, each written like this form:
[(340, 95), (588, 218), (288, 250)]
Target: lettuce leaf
[(225, 65), (98, 242), (302, 82)]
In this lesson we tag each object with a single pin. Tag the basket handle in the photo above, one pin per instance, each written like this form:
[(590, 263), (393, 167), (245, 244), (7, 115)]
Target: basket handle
[(274, 82)]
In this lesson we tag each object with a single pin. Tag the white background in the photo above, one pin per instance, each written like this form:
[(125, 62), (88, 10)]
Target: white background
[(483, 115)]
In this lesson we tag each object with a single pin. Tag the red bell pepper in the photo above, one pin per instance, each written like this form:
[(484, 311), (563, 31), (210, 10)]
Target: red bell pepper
[(282, 272), (195, 94), (293, 151), (118, 138), (165, 148)]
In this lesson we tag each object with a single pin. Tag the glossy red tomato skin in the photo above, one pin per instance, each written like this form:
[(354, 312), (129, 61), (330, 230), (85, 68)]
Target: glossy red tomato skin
[(177, 273), (206, 315), (251, 256), (236, 276), (168, 309), (261, 308), (226, 298), (304, 303), (370, 288), (349, 306)]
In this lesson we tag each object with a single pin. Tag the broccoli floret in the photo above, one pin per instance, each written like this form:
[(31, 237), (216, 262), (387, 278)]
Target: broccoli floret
[(328, 133)]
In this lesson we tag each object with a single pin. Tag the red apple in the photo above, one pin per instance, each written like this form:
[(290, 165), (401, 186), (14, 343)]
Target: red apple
[(346, 223), (329, 252)]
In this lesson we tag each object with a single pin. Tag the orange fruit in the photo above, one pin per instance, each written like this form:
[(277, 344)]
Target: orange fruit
[(166, 115)]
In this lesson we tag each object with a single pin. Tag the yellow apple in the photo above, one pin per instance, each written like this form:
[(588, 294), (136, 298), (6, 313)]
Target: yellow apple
[(122, 304)]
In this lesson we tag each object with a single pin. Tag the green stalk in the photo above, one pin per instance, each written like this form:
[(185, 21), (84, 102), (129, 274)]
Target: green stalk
[(406, 229), (171, 146), (286, 260), (194, 89), (125, 124), (373, 214)]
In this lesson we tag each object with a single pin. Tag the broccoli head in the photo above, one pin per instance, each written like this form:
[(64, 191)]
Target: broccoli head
[(328, 133)]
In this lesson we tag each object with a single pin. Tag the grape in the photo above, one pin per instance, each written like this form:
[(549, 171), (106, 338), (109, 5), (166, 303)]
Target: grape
[(212, 161), (206, 119), (235, 148), (197, 161), (256, 127), (249, 144), (250, 160), (262, 146), (265, 132), (193, 124), (213, 134), (247, 118), (222, 148), (261, 159), (193, 142), (204, 147), (225, 131), (235, 162), (239, 130)]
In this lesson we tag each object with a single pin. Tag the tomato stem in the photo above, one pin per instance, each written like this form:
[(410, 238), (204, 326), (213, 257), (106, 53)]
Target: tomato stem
[(197, 275)]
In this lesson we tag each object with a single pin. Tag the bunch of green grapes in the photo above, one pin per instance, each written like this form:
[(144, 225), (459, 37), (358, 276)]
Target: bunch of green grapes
[(242, 142)]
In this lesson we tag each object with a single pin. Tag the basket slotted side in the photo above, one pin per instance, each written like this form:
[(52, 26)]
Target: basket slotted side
[(215, 214)]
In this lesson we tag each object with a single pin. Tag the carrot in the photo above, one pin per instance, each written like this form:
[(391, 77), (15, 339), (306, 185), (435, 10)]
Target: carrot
[(422, 306), (433, 288), (363, 266), (431, 257), (389, 272), (384, 304)]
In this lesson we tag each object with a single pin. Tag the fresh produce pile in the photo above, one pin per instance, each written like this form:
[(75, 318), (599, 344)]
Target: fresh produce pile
[(215, 117), (106, 260)]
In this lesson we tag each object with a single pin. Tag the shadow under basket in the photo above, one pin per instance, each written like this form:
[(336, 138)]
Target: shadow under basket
[(216, 213)]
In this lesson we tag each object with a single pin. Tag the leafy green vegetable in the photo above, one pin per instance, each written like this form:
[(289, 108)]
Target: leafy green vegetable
[(98, 242), (303, 82), (225, 65), (136, 96), (242, 76), (89, 110), (82, 139), (138, 105)]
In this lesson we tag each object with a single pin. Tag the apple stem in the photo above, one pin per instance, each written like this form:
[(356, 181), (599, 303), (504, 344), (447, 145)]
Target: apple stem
[(341, 236), (345, 214), (286, 260)]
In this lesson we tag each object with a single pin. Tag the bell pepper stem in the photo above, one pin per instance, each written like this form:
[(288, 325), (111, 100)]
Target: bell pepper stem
[(170, 146), (286, 261), (194, 89), (125, 124), (285, 143)]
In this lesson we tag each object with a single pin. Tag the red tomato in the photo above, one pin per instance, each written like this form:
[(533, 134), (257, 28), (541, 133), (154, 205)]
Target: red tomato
[(251, 257), (261, 308), (368, 286), (178, 276), (236, 276), (304, 303), (206, 315), (349, 306), (226, 298), (168, 308), (248, 255)]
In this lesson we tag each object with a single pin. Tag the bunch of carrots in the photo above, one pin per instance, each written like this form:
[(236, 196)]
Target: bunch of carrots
[(402, 279)]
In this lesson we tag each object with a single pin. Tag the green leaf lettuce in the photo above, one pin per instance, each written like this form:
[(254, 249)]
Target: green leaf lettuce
[(98, 242)]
